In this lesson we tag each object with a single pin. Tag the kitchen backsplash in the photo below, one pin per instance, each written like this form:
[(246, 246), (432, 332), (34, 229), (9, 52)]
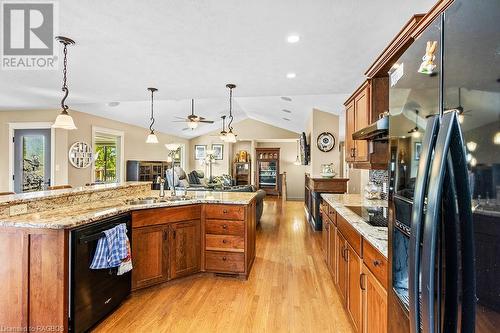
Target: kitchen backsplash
[(381, 178)]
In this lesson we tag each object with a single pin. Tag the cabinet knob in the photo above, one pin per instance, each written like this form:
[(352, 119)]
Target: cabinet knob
[(377, 263), (225, 211), (224, 258), (224, 226), (224, 241)]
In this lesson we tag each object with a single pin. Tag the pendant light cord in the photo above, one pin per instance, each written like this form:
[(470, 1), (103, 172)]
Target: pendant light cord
[(230, 110), (65, 87), (152, 115)]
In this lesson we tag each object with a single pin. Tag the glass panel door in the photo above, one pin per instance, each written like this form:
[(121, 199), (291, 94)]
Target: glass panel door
[(267, 173), (31, 160), (472, 89)]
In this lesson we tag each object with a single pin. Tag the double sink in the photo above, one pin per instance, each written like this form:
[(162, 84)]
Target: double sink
[(155, 200)]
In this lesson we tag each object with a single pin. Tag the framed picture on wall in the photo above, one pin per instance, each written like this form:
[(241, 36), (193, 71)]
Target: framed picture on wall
[(218, 151), (417, 151), (200, 152)]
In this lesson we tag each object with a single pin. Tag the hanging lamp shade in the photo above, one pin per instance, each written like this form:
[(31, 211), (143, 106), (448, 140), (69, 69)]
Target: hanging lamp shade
[(297, 159), (64, 120), (230, 137), (152, 138)]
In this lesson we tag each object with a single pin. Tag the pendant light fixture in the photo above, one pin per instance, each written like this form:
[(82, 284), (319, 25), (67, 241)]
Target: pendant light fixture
[(152, 138), (223, 133), (297, 159), (414, 131), (64, 120), (230, 136)]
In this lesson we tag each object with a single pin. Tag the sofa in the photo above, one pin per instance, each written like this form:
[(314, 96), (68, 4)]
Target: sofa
[(196, 181)]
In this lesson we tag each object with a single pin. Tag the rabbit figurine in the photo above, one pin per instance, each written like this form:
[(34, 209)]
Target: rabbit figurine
[(427, 66)]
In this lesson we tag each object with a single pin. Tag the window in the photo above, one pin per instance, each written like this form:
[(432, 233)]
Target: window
[(108, 156)]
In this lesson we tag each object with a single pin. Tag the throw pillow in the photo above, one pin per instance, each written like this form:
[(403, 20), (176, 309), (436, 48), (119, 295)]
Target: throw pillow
[(193, 178)]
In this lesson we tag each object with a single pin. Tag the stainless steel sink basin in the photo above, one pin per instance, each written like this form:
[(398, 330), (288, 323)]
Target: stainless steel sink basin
[(152, 200)]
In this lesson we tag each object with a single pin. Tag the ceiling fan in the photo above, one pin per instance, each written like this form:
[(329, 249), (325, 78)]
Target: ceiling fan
[(459, 109), (193, 120)]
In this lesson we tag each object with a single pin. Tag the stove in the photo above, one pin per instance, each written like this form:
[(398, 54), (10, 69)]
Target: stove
[(374, 216)]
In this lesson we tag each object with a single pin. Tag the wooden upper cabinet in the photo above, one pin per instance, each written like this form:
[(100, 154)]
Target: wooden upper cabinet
[(362, 119), (185, 253), (374, 303), (350, 124), (150, 256)]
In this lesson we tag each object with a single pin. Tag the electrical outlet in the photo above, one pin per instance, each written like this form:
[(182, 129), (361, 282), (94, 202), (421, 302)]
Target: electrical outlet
[(18, 209)]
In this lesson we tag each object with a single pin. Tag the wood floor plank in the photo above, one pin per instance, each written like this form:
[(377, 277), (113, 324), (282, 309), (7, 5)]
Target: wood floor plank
[(288, 290)]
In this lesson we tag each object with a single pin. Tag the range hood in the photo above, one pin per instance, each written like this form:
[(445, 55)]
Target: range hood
[(376, 131)]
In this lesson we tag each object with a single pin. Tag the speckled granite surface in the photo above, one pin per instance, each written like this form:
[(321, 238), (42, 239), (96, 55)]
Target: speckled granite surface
[(74, 215), (377, 236)]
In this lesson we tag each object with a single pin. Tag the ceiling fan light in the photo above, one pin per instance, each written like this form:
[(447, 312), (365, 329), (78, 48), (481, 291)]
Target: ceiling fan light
[(496, 138), (471, 146), (152, 138), (64, 121), (415, 134), (460, 118), (192, 125)]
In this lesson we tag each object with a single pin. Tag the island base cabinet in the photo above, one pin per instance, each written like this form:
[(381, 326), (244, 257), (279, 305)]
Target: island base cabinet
[(374, 303), (149, 256), (184, 248)]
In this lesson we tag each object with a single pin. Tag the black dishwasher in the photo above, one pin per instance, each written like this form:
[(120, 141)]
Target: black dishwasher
[(94, 293)]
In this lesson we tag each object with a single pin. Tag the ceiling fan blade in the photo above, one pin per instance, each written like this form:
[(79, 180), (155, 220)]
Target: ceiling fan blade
[(179, 117), (206, 121), (185, 129), (180, 121)]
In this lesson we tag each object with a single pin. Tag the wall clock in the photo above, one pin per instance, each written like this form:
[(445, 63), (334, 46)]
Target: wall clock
[(326, 142), (80, 155)]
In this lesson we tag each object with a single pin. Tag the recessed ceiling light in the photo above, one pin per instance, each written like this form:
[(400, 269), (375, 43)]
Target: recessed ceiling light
[(287, 119), (287, 111), (293, 39), (113, 104), (286, 98), (291, 75)]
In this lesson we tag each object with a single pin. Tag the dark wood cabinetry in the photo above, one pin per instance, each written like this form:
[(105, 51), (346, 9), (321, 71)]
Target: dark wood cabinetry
[(354, 294), (268, 170)]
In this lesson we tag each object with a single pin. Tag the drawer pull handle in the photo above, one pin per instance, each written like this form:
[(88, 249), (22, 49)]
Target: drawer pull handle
[(361, 282), (225, 211), (377, 263), (224, 226), (224, 258), (224, 241)]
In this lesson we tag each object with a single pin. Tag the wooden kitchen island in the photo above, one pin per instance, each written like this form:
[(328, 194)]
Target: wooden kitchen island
[(214, 232)]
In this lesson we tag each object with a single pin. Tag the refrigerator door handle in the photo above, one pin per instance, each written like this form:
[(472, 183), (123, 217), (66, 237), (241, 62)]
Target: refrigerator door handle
[(428, 144), (448, 166)]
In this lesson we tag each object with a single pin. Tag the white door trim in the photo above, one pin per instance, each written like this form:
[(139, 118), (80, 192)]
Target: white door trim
[(31, 125), (121, 156)]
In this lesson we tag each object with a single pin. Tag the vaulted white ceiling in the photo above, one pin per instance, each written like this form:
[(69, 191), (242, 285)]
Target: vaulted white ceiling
[(192, 48)]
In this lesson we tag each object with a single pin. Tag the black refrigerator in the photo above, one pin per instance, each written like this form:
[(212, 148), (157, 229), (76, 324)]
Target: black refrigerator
[(444, 172)]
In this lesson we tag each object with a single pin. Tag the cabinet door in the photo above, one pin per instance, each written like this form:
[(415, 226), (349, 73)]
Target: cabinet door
[(374, 303), (361, 120), (333, 251), (185, 252), (354, 292), (324, 235), (349, 124), (341, 266), (149, 255)]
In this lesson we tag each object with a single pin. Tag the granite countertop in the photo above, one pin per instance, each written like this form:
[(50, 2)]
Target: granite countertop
[(43, 195), (377, 236), (72, 216)]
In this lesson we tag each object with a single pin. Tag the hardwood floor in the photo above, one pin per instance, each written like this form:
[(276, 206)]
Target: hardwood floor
[(288, 290)]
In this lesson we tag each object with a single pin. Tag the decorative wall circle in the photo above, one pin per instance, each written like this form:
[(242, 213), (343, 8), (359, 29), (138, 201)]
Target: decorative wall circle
[(326, 142), (80, 155)]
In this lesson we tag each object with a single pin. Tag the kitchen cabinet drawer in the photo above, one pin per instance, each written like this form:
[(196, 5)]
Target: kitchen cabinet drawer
[(350, 234), (225, 212), (219, 261), (157, 216), (225, 243), (225, 227), (376, 262)]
